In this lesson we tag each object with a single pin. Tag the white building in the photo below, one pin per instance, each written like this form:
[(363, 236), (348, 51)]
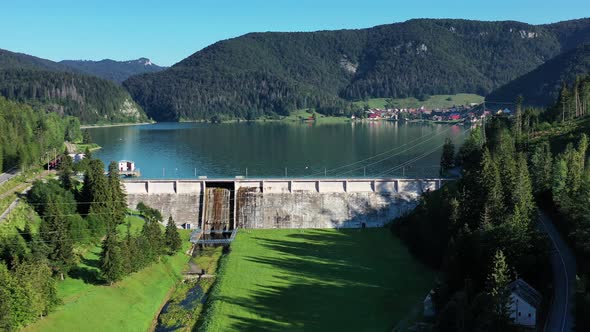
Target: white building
[(126, 166), (76, 157), (524, 303), (428, 304)]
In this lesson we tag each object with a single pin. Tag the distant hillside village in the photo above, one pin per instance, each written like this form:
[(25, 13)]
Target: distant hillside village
[(471, 113)]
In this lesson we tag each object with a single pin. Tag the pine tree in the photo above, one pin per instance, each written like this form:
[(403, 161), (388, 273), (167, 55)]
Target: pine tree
[(491, 187), (118, 197), (541, 167), (518, 119), (152, 240), (522, 194), (132, 261), (447, 159), (95, 198), (558, 182), (65, 172), (171, 236), (111, 259), (498, 281), (87, 154), (55, 231)]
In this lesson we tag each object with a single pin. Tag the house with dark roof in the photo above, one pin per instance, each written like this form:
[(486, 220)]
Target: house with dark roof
[(524, 303)]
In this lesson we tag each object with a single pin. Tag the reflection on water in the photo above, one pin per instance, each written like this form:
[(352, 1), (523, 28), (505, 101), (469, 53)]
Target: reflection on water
[(272, 149)]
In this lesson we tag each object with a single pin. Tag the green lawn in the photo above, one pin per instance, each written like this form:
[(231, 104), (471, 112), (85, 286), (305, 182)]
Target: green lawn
[(316, 280), (129, 305), (303, 114), (435, 101)]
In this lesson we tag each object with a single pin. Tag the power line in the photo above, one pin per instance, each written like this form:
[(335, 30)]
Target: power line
[(396, 154), (381, 153)]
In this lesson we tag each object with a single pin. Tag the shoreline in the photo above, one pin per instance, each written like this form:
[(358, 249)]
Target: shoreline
[(115, 125)]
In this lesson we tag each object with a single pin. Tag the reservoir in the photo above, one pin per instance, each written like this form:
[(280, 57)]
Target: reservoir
[(278, 149)]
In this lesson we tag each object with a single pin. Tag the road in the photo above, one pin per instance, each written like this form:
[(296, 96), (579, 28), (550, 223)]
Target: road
[(563, 263), (8, 175)]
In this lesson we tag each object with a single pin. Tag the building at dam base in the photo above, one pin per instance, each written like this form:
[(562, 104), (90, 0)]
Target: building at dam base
[(223, 205)]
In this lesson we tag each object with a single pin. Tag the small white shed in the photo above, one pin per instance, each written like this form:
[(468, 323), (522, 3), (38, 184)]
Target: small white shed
[(524, 303), (126, 166)]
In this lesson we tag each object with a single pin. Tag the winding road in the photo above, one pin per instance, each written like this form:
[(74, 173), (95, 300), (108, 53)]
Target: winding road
[(563, 263)]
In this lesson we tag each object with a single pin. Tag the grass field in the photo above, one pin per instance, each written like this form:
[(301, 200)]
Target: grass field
[(303, 114), (435, 101), (129, 305), (316, 280)]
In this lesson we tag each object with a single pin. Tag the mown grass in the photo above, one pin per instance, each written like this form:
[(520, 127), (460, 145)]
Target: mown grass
[(315, 280), (129, 305), (435, 101)]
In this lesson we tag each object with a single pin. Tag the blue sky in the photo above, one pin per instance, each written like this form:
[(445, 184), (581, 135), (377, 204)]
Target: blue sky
[(168, 31)]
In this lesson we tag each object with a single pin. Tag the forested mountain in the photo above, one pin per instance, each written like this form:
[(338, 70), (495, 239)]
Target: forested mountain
[(274, 73), (53, 87), (116, 71), (26, 135), (541, 86)]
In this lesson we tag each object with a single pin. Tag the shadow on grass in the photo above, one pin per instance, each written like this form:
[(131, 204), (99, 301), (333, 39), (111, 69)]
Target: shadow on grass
[(334, 281), (88, 272)]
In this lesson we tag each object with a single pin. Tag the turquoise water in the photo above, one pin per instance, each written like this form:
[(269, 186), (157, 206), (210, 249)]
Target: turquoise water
[(273, 149)]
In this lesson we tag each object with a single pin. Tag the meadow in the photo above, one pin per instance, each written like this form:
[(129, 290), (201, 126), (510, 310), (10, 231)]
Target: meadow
[(316, 280), (129, 305), (432, 102)]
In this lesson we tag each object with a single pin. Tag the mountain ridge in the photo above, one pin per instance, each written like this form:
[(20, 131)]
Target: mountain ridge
[(274, 73), (53, 87), (113, 70)]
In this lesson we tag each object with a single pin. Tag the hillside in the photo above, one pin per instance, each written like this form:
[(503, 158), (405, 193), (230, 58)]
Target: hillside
[(53, 87), (275, 73), (541, 86), (116, 71)]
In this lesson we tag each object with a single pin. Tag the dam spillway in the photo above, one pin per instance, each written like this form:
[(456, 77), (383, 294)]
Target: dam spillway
[(224, 204)]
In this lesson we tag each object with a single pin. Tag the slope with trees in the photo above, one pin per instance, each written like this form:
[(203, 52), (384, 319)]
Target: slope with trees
[(542, 86), (53, 87), (275, 73), (481, 232), (26, 136)]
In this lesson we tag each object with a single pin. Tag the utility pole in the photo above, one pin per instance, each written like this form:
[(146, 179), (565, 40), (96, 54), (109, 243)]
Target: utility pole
[(285, 172), (246, 171)]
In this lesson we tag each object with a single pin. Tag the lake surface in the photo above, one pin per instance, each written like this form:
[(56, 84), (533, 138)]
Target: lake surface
[(273, 149)]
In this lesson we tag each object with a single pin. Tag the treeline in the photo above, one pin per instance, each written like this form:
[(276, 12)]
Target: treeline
[(563, 182), (573, 101), (121, 256), (90, 99), (52, 87), (73, 217), (26, 135), (542, 86), (265, 74), (480, 232)]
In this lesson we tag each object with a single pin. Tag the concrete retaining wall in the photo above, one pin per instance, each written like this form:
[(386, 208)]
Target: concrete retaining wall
[(179, 199), (297, 203)]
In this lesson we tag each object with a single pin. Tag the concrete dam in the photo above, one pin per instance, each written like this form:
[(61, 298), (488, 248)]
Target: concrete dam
[(225, 204)]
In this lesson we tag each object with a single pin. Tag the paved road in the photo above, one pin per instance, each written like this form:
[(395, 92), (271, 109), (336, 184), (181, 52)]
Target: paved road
[(8, 175), (563, 263)]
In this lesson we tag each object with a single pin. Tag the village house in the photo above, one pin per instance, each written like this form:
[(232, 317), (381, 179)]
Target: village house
[(524, 303)]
